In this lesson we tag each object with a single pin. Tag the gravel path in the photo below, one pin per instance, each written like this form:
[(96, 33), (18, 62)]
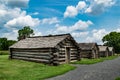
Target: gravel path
[(107, 70)]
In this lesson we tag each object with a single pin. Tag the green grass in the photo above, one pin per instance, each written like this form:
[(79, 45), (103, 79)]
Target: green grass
[(118, 78), (93, 61), (23, 70), (4, 52)]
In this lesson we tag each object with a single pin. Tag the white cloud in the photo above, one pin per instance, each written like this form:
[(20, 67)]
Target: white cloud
[(38, 34), (93, 7), (50, 20), (97, 36), (99, 6), (71, 11), (117, 30), (15, 17), (35, 13), (80, 25), (81, 5), (11, 35), (12, 17), (22, 21), (105, 2), (79, 34)]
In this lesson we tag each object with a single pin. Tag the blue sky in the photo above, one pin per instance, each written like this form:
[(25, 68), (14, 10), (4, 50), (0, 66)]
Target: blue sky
[(86, 20)]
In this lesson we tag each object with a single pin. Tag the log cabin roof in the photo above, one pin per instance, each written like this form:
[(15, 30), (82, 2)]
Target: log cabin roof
[(49, 41), (87, 46), (102, 48), (110, 48)]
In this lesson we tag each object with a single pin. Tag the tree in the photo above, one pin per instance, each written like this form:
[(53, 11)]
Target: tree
[(11, 42), (3, 44), (112, 39), (25, 32)]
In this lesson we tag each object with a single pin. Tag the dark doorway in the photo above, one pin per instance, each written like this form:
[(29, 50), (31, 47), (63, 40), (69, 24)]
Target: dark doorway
[(67, 55)]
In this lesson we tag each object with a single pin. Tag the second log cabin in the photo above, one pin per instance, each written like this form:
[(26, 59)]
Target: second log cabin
[(89, 50)]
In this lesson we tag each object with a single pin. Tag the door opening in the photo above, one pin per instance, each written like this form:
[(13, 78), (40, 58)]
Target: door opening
[(67, 55)]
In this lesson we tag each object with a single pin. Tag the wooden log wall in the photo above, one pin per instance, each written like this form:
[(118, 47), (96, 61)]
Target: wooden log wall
[(74, 54), (36, 55), (85, 54)]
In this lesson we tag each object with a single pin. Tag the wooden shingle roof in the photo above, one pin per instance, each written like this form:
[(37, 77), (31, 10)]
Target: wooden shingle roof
[(40, 41), (103, 48), (87, 46)]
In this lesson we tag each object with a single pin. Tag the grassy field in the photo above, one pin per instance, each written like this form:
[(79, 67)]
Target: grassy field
[(93, 61), (4, 52), (23, 70)]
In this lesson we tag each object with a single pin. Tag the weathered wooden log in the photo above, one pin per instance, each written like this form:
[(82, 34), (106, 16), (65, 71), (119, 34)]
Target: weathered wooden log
[(32, 59), (62, 56), (74, 49), (61, 59), (32, 53), (31, 50), (73, 55), (73, 58), (62, 53), (32, 56), (73, 52)]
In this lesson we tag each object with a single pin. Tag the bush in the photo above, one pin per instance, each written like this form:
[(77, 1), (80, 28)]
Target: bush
[(4, 52)]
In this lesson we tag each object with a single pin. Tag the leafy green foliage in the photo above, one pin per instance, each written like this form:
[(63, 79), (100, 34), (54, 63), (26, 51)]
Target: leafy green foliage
[(112, 39), (11, 42), (24, 70), (4, 43), (93, 61), (25, 32)]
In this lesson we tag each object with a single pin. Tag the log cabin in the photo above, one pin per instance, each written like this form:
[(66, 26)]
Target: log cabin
[(51, 49), (103, 51), (89, 50), (111, 51)]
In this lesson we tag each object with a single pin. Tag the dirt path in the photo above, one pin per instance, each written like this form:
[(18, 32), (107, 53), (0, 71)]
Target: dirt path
[(107, 70)]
